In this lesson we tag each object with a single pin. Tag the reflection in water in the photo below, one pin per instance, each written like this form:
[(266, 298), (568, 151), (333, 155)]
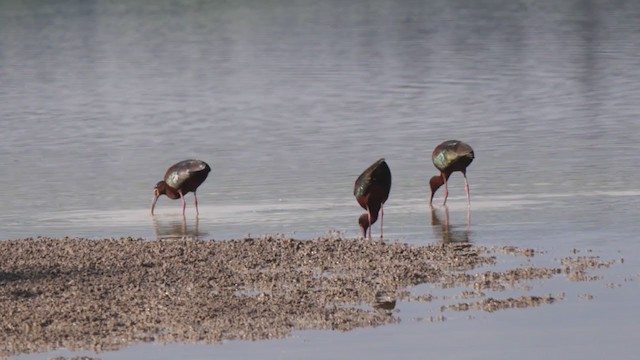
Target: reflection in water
[(447, 232), (385, 301), (176, 229)]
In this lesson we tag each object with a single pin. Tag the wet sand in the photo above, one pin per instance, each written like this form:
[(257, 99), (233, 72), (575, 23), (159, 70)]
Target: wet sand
[(99, 295)]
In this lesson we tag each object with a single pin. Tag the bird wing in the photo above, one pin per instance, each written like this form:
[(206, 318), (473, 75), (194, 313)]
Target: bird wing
[(377, 172), (447, 153), (444, 158), (180, 172), (362, 185)]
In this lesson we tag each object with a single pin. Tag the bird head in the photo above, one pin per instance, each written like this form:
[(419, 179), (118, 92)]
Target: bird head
[(364, 224), (159, 189), (434, 184)]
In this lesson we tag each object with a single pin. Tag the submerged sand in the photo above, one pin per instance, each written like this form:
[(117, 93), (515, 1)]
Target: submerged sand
[(83, 294)]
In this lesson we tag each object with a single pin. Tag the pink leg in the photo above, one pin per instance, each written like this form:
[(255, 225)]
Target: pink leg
[(466, 187), (468, 218), (197, 211), (369, 219), (197, 227), (381, 219), (184, 203), (446, 189)]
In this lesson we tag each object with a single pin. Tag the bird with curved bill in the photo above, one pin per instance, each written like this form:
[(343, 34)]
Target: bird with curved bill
[(180, 179), (371, 191), (449, 157)]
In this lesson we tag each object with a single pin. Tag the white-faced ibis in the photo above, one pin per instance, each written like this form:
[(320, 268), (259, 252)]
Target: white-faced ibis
[(450, 156), (180, 179), (372, 190)]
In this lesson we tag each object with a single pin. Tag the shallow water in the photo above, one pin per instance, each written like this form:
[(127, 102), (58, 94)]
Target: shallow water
[(289, 101)]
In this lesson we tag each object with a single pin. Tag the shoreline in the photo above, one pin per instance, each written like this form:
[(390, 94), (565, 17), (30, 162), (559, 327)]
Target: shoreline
[(100, 295)]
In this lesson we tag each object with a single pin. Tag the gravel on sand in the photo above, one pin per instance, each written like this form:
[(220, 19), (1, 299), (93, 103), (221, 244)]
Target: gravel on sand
[(83, 294)]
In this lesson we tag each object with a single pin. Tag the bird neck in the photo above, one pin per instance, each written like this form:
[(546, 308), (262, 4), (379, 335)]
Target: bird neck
[(436, 181), (364, 219), (172, 193), (164, 189)]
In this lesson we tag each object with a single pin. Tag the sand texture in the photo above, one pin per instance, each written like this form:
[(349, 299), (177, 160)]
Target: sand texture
[(83, 294)]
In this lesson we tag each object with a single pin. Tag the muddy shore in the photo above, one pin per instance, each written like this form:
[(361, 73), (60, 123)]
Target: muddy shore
[(83, 294)]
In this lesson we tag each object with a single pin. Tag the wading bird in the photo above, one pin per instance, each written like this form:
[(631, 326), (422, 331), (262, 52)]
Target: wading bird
[(371, 191), (180, 179), (450, 156)]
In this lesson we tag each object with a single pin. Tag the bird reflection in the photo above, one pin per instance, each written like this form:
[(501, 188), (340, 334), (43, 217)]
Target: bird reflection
[(385, 301), (176, 229), (450, 233)]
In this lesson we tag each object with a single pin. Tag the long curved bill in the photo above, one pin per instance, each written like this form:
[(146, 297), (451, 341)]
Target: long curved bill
[(155, 199)]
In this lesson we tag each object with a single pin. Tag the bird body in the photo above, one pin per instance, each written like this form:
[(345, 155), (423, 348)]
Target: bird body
[(448, 157), (371, 190), (180, 179)]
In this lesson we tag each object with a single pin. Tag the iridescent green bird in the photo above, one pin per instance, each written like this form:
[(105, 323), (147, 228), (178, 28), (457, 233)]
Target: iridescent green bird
[(450, 156), (371, 191)]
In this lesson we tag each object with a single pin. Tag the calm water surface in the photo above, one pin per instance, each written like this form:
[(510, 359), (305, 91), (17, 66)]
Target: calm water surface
[(289, 101)]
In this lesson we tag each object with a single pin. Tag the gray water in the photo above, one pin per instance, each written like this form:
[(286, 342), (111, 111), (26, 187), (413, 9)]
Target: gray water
[(289, 101)]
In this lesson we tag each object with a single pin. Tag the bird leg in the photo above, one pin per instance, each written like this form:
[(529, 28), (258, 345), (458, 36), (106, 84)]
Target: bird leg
[(184, 226), (196, 197), (466, 187), (446, 189), (468, 218), (197, 227), (381, 219), (184, 203), (369, 219)]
